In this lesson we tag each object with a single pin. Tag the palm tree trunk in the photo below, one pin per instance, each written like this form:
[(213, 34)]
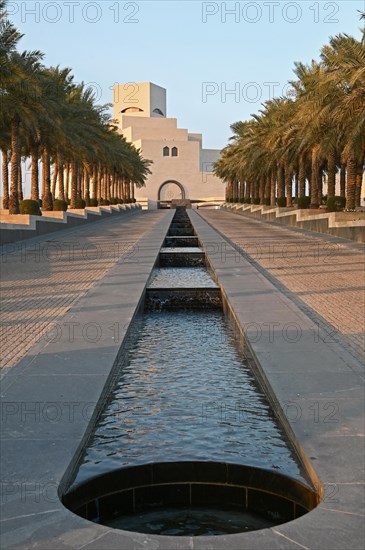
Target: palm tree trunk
[(320, 185), (110, 186), (95, 182), (234, 190), (104, 192), (34, 190), (107, 186), (80, 182), (314, 180), (248, 191), (343, 180), (15, 157), (239, 190), (254, 192), (100, 183), (67, 183), (288, 186), (351, 183), (267, 188), (242, 188), (20, 180), (301, 176), (331, 167), (281, 182), (230, 190), (358, 184), (132, 190), (54, 179), (272, 190), (74, 183), (103, 184), (61, 177), (120, 194), (114, 190), (295, 186), (87, 186), (262, 190), (47, 203), (5, 170)]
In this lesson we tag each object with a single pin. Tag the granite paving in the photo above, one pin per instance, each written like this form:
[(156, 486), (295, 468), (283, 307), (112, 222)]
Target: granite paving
[(323, 275), (42, 278), (52, 395)]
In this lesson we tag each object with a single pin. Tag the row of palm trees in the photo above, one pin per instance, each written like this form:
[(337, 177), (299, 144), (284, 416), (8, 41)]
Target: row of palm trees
[(287, 149), (73, 146)]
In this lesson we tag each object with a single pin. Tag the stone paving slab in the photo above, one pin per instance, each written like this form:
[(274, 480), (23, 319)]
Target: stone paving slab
[(41, 279), (323, 275)]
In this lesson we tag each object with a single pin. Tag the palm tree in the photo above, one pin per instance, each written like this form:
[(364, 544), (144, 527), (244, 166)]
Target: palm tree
[(19, 104), (9, 38), (5, 176), (320, 129), (344, 60)]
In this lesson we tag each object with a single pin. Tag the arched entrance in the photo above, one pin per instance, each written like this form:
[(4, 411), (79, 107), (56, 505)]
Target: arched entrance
[(169, 190)]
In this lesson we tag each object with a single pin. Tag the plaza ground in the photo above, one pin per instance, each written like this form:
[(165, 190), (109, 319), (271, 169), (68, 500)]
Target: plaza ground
[(46, 276), (68, 300)]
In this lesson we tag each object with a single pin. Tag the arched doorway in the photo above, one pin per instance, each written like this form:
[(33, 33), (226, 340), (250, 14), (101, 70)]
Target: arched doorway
[(168, 191)]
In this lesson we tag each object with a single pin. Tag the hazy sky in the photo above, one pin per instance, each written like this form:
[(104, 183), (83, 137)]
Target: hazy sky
[(198, 50)]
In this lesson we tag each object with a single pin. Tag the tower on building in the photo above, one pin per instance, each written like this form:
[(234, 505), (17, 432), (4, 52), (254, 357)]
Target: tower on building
[(181, 168)]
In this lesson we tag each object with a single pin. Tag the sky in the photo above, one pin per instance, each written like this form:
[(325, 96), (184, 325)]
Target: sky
[(218, 60)]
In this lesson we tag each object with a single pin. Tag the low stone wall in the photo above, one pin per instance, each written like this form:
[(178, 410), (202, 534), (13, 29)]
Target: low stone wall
[(15, 228), (143, 201), (347, 225)]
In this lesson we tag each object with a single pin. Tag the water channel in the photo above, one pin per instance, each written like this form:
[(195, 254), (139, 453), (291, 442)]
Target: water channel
[(187, 395)]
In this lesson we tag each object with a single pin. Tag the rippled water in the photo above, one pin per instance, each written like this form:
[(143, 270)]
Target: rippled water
[(185, 393), (181, 249), (181, 277), (190, 522)]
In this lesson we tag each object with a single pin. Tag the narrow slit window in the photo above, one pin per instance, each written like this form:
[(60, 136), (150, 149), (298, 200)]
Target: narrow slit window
[(174, 152), (166, 152)]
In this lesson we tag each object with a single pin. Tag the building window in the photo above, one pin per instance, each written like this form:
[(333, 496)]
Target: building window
[(166, 152), (174, 152), (132, 110), (158, 112)]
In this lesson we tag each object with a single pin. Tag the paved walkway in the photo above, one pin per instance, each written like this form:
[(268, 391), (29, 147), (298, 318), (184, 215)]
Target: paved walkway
[(42, 278), (324, 275)]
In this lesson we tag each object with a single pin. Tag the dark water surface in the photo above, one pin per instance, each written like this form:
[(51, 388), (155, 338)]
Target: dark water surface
[(191, 522), (186, 393)]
